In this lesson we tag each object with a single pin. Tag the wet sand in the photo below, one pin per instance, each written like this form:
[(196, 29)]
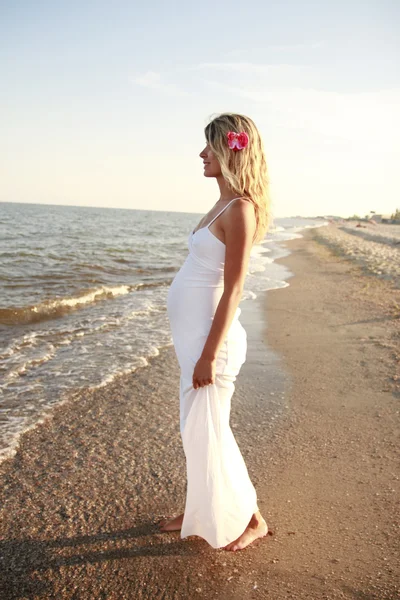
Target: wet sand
[(315, 413)]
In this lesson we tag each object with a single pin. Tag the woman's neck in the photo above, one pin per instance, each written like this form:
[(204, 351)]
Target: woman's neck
[(226, 193)]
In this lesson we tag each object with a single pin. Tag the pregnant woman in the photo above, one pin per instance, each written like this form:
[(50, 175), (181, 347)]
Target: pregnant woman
[(210, 342)]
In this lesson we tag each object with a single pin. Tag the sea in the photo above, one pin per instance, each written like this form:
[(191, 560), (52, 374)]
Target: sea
[(83, 298)]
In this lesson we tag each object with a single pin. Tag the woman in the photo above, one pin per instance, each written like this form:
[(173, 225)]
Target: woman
[(210, 342)]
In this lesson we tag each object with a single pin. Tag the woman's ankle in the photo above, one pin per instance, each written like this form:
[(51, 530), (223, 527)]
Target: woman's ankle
[(256, 519)]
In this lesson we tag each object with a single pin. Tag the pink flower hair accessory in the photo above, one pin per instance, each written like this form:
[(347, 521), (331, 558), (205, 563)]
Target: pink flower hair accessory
[(237, 141)]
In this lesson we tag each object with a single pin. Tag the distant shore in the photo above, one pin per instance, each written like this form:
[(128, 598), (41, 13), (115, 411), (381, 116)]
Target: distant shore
[(314, 413)]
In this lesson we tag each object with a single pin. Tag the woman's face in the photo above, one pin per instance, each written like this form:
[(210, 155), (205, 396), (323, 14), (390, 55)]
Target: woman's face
[(211, 164)]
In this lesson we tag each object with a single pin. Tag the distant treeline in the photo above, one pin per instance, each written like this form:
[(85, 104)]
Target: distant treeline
[(393, 218)]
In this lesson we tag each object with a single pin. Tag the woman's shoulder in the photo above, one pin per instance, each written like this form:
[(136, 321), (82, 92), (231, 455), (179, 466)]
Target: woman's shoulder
[(242, 210), (246, 198), (243, 203)]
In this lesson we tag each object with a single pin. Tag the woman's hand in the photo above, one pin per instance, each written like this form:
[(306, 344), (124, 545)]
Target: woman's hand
[(204, 372)]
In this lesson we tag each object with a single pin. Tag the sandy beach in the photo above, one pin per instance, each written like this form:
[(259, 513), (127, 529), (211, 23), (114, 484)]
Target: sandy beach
[(375, 248), (315, 413)]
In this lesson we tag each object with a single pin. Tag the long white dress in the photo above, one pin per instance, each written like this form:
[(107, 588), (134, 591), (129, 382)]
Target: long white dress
[(220, 497)]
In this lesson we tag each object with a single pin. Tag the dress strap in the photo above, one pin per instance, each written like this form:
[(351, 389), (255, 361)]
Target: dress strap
[(216, 216)]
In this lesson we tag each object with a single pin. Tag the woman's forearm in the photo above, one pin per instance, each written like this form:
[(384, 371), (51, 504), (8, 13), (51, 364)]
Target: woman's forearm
[(222, 321)]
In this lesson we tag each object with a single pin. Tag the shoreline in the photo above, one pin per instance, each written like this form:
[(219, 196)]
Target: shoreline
[(82, 496), (18, 424), (251, 315), (92, 479)]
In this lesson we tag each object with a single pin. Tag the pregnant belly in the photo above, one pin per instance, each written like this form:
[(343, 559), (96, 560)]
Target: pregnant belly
[(191, 308), (192, 304)]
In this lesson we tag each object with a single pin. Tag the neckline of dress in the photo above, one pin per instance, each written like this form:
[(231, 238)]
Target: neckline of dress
[(192, 233), (216, 217)]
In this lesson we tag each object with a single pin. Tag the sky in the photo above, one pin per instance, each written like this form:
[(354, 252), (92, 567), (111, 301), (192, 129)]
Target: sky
[(104, 103)]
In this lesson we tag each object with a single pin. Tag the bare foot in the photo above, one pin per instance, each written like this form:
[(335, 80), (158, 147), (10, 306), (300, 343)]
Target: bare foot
[(174, 524), (257, 528)]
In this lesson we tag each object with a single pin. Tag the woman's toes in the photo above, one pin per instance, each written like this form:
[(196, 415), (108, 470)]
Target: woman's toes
[(231, 545)]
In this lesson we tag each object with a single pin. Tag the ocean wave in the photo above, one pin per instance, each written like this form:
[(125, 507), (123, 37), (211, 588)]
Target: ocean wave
[(53, 308)]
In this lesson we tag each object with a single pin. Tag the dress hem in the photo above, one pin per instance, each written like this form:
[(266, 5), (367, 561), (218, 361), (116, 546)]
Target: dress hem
[(225, 543)]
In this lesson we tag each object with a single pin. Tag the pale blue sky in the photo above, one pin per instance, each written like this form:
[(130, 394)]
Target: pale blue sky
[(104, 104)]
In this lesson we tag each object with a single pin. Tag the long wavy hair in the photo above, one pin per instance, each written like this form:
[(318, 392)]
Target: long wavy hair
[(245, 171)]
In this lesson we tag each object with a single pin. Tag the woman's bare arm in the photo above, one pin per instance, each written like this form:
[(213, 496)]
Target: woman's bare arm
[(239, 227)]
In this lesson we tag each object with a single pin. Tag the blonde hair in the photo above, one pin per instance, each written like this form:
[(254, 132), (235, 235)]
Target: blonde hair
[(245, 171)]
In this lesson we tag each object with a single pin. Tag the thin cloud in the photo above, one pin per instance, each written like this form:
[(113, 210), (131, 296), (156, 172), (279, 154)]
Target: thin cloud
[(368, 117), (154, 81), (275, 48), (246, 67), (295, 47)]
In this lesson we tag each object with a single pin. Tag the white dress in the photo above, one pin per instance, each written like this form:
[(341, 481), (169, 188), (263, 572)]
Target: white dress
[(220, 497)]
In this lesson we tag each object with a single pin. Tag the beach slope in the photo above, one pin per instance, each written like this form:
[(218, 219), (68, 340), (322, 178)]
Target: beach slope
[(81, 498)]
